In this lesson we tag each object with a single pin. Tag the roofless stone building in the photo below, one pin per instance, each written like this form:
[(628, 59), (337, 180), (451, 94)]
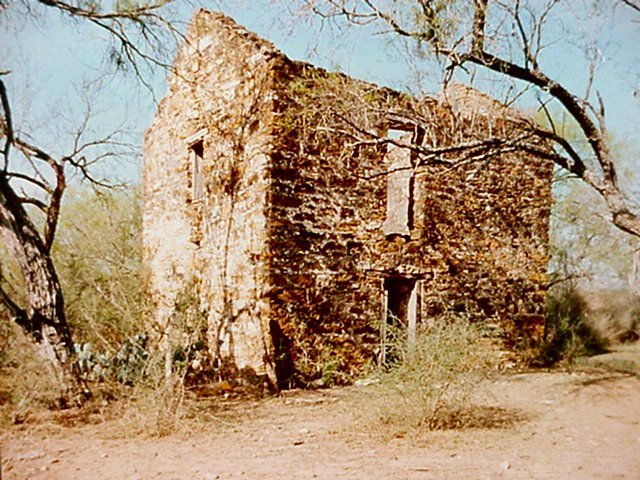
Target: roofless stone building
[(291, 215)]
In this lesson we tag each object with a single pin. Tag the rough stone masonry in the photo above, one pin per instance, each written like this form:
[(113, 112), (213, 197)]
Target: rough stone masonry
[(292, 215)]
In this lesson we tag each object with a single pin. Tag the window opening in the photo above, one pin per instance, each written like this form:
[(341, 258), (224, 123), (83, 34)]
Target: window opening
[(398, 219), (197, 169), (395, 134)]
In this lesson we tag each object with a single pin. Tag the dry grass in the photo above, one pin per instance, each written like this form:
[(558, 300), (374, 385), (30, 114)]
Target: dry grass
[(613, 314), (140, 411), (27, 385), (429, 388), (622, 359), (588, 324), (431, 385), (149, 407)]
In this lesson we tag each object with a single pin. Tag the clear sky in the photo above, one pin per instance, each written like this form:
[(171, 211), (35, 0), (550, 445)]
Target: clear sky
[(50, 58), (56, 67)]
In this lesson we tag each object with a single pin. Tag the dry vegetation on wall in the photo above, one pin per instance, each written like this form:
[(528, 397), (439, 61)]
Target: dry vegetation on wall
[(481, 236), (327, 309)]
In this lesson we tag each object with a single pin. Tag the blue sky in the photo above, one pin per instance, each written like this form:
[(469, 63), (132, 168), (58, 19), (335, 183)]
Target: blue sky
[(50, 58)]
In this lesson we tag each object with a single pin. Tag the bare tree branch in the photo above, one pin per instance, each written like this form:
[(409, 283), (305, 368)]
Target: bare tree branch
[(34, 201), (28, 178), (142, 38), (19, 314), (635, 4), (473, 47), (7, 125), (144, 17)]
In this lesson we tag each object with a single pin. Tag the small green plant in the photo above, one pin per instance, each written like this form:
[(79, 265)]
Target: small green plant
[(126, 366), (567, 334), (429, 382)]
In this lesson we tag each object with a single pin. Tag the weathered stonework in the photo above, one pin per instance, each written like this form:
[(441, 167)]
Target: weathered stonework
[(290, 239)]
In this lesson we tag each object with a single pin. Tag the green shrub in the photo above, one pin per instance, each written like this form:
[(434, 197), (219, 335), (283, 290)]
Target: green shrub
[(127, 366), (568, 335), (98, 257)]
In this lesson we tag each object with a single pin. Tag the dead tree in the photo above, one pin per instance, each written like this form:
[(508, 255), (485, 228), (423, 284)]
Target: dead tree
[(30, 175), (43, 318)]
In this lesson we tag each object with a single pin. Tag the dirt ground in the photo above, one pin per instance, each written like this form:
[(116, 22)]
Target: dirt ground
[(580, 425)]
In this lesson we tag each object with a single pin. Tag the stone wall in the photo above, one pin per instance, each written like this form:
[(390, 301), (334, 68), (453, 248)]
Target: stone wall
[(476, 241), (322, 216), (290, 258), (221, 96)]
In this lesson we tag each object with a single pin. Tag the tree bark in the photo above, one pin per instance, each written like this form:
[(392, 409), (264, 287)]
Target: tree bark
[(43, 319)]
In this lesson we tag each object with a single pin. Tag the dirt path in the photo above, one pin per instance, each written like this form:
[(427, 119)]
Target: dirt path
[(579, 426)]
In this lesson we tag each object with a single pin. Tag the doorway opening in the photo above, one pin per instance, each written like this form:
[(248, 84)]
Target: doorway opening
[(398, 329)]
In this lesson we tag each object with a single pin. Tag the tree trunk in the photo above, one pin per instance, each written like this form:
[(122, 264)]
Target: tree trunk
[(43, 319)]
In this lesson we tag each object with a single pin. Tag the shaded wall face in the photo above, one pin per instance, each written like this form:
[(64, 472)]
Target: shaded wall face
[(327, 303), (217, 116), (486, 230), (479, 242), (487, 222), (475, 239), (322, 220)]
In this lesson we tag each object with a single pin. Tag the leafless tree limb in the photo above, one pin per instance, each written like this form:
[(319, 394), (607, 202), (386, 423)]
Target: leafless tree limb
[(34, 201), (473, 48), (635, 4), (7, 125), (28, 178), (150, 25), (138, 35)]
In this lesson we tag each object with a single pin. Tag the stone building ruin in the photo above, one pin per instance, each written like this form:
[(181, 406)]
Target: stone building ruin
[(291, 215)]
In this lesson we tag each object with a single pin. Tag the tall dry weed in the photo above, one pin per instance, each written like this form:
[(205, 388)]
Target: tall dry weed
[(430, 384), (613, 314), (26, 383)]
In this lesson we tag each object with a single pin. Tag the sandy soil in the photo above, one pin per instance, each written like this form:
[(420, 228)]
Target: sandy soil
[(577, 426)]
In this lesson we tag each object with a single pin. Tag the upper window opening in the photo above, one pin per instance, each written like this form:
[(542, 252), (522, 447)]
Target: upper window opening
[(399, 185), (395, 134), (197, 169)]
